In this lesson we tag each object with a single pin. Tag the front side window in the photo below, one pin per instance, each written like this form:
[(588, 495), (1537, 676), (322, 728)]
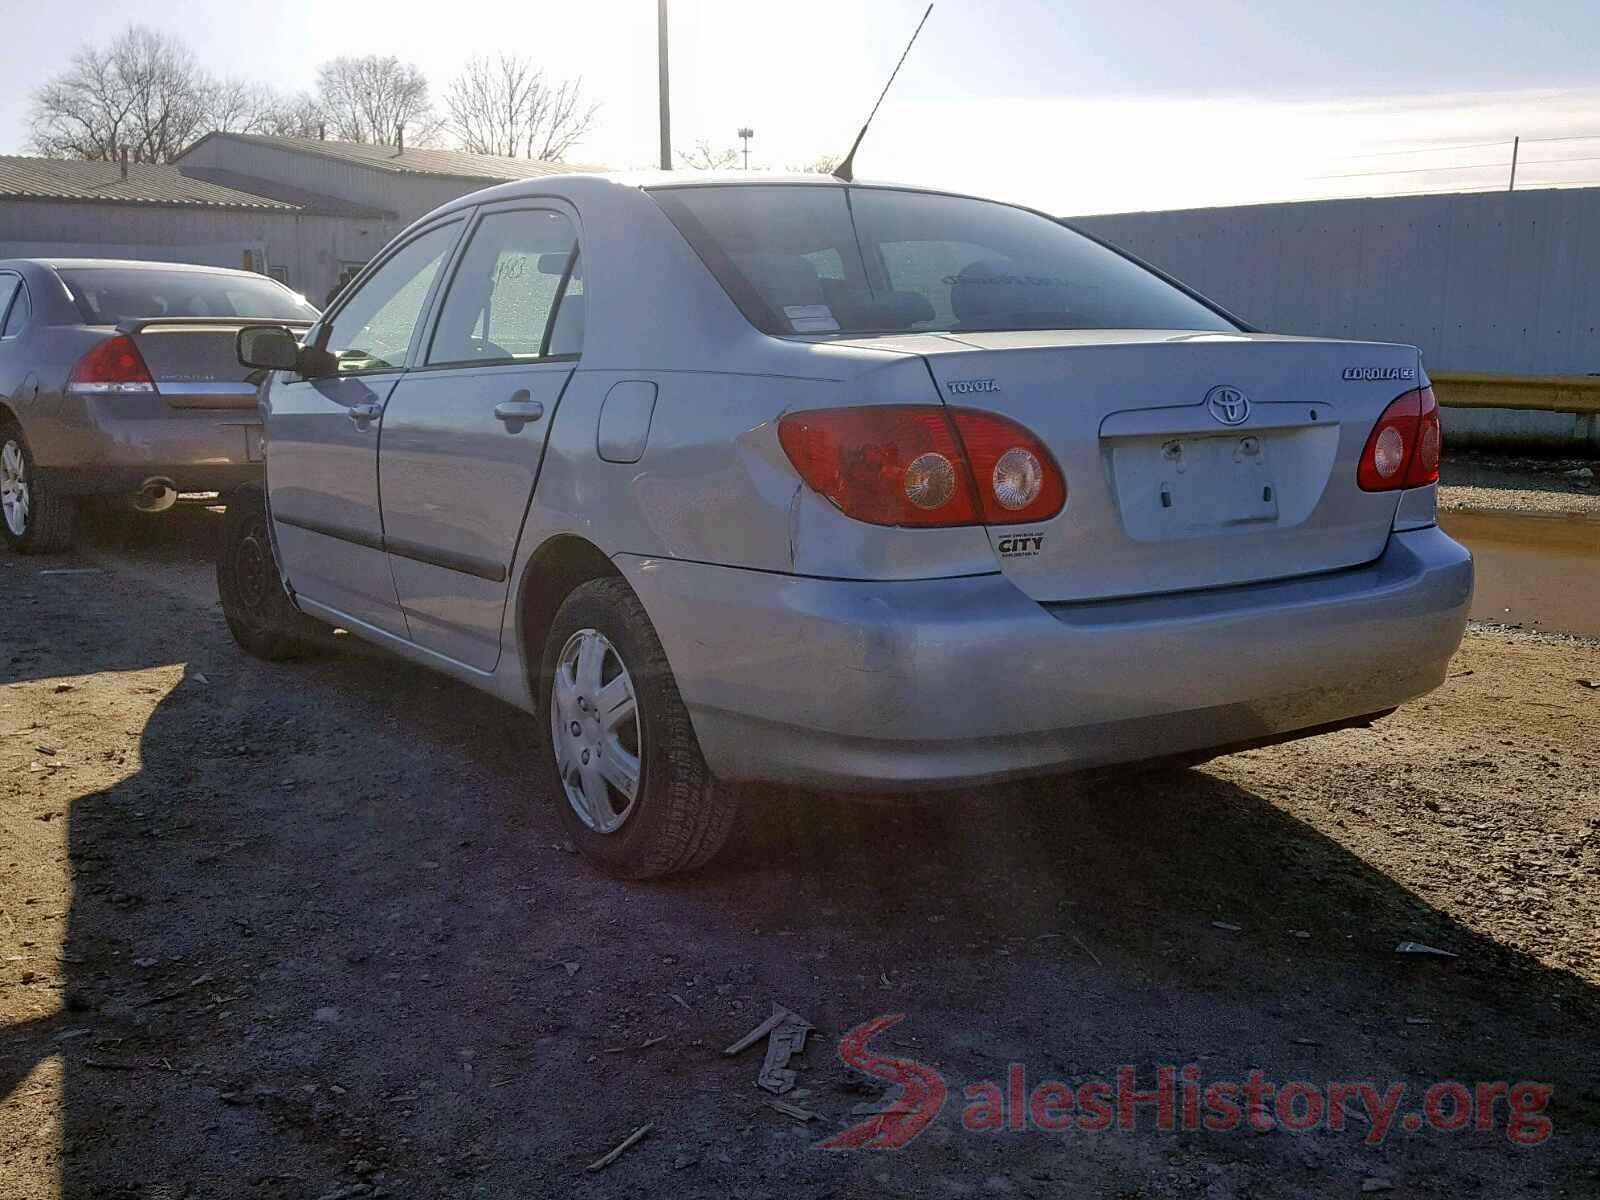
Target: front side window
[(374, 328), (506, 290), (809, 259)]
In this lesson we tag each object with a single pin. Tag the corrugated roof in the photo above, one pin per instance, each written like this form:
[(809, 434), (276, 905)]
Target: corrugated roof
[(147, 183), (448, 164), (303, 201)]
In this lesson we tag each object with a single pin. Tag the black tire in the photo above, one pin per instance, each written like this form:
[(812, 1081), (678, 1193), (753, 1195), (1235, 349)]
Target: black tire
[(259, 613), (681, 816), (48, 523)]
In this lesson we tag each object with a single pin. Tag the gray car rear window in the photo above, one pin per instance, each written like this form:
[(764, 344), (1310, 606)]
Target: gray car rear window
[(109, 295), (808, 259)]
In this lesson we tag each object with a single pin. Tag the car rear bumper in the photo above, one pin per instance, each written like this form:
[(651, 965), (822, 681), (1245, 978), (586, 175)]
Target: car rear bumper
[(105, 445), (126, 480), (940, 683)]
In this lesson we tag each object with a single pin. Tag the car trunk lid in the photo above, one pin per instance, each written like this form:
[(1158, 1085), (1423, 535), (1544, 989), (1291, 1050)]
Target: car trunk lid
[(193, 361), (1164, 493)]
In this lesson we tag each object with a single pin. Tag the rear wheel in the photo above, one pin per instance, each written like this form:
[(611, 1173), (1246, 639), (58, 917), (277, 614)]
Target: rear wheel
[(633, 790), (34, 519), (259, 613)]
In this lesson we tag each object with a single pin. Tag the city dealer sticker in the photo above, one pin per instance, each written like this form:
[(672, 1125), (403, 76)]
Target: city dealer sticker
[(1020, 545)]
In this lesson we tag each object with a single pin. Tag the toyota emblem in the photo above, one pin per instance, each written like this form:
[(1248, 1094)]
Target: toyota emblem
[(1228, 405)]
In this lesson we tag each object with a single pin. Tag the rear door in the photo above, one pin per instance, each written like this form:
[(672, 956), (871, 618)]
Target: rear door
[(464, 431), (322, 465)]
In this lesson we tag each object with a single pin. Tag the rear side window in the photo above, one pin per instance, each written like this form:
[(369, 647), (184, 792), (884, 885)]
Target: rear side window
[(9, 286), (111, 295), (834, 260), (21, 311), (506, 289)]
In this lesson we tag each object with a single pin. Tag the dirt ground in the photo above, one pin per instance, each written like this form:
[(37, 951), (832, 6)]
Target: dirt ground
[(311, 930)]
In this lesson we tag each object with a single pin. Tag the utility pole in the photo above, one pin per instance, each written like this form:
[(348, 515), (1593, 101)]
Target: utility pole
[(747, 133), (666, 91), (1516, 144)]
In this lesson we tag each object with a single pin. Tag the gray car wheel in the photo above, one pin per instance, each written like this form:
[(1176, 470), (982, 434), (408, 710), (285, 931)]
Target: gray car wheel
[(33, 518), (631, 784)]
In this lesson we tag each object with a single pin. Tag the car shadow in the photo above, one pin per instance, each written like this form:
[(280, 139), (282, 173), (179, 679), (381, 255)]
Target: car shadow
[(328, 935)]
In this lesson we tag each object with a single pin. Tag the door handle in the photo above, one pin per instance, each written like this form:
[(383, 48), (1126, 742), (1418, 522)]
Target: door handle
[(518, 409), (365, 412)]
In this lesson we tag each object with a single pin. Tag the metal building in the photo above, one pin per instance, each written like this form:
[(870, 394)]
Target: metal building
[(306, 211)]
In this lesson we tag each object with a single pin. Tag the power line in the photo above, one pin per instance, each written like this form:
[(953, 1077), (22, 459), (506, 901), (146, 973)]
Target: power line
[(1417, 170), (1472, 189), (1580, 137), (1432, 149), (1528, 162), (1577, 137)]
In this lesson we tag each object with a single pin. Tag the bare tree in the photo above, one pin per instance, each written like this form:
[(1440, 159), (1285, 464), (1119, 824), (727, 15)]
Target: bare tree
[(145, 90), (299, 116), (168, 91), (377, 100), (822, 164), (506, 106), (240, 106), (82, 112), (704, 158)]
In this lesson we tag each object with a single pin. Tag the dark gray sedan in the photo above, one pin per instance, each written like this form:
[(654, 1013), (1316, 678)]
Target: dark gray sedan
[(120, 379)]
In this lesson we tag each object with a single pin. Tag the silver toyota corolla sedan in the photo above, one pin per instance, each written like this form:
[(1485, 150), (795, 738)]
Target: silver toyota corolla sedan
[(842, 486), (119, 378)]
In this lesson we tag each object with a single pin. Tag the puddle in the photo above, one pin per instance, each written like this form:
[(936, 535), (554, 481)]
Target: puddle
[(1539, 570)]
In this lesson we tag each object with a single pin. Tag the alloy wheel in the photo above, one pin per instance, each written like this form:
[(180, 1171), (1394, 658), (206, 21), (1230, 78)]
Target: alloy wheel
[(15, 498), (595, 731)]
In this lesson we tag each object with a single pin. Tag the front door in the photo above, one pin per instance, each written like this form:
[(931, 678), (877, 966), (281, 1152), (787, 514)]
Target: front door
[(322, 460), (464, 431)]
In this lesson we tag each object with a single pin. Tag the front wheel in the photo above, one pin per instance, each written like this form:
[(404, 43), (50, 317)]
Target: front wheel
[(633, 790), (259, 613), (33, 518)]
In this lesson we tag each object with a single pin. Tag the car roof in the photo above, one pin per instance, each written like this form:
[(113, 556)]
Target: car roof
[(577, 186)]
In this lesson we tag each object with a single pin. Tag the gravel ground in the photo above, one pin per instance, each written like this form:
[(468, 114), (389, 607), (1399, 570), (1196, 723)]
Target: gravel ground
[(1479, 481), (311, 930)]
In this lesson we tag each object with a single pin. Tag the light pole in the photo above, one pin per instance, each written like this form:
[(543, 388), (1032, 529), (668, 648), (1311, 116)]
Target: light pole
[(747, 133), (665, 92)]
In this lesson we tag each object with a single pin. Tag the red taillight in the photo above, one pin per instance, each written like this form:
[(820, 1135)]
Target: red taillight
[(1403, 448), (891, 465), (115, 365), (909, 465), (1018, 479)]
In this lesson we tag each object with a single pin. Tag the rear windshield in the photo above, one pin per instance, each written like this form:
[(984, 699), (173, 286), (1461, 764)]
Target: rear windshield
[(801, 259), (110, 295)]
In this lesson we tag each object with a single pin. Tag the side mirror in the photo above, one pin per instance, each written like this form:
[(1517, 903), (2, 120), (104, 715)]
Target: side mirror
[(269, 346)]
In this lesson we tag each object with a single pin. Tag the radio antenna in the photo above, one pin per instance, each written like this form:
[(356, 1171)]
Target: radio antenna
[(846, 169)]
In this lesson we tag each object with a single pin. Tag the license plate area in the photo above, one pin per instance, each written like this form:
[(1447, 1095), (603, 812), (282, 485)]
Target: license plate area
[(1181, 486)]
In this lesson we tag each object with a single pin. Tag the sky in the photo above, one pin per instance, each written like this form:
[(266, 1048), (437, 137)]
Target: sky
[(1072, 106)]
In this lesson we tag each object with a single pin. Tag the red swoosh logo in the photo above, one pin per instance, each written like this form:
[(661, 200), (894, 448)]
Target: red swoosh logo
[(919, 1103)]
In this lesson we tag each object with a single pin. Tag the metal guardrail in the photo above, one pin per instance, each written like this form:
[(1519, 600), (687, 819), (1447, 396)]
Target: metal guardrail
[(1536, 393)]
